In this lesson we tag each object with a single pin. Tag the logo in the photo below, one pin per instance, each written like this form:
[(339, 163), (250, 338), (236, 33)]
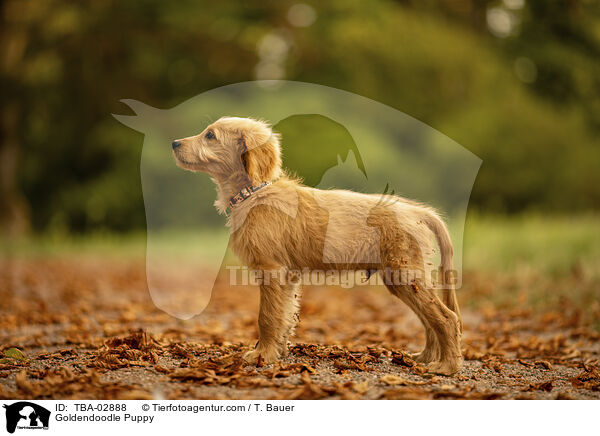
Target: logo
[(26, 415), (334, 140)]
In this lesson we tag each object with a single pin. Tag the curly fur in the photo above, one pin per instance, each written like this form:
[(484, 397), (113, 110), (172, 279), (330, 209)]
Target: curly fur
[(291, 226)]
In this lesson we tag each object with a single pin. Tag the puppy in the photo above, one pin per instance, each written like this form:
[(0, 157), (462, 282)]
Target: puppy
[(279, 224)]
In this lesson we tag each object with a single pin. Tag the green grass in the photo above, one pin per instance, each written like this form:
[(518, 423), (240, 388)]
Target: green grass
[(205, 245), (553, 245), (547, 263)]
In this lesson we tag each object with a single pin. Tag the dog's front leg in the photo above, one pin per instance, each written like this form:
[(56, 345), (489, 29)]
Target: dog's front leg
[(292, 315), (275, 321)]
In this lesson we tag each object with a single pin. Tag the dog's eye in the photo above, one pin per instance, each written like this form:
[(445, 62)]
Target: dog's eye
[(209, 135)]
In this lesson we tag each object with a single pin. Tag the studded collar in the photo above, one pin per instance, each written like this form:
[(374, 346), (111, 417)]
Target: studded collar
[(246, 193)]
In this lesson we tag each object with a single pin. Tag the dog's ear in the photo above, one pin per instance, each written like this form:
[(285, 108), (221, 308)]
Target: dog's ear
[(261, 154)]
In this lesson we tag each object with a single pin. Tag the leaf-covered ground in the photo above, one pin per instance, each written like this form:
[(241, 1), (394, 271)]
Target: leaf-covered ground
[(87, 328)]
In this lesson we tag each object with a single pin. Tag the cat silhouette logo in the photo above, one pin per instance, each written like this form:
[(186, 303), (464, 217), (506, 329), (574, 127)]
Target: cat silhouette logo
[(26, 415)]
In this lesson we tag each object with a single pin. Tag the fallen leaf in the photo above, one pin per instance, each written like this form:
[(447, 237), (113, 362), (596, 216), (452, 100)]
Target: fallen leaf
[(393, 380), (361, 388), (545, 364), (15, 353)]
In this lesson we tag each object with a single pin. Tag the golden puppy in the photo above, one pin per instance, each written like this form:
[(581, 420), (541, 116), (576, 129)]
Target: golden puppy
[(279, 224)]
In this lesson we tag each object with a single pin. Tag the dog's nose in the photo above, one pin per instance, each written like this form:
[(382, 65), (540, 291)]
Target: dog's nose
[(175, 144)]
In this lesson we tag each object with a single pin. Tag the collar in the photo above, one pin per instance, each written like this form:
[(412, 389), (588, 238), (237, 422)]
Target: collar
[(245, 193)]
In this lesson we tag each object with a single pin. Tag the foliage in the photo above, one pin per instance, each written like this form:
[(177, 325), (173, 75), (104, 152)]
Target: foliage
[(526, 100)]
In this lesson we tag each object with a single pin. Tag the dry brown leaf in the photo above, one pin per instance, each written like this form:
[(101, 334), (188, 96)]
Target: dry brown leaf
[(545, 364), (135, 395), (361, 388), (393, 380)]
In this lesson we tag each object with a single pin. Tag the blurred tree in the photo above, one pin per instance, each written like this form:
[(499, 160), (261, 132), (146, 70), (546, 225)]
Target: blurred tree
[(515, 81), (70, 65), (13, 208), (562, 43)]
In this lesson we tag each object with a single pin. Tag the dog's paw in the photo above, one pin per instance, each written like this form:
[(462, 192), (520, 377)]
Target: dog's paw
[(267, 356), (445, 367), (425, 356)]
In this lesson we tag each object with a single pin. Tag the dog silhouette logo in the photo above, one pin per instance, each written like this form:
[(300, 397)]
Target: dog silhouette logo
[(26, 415), (332, 139)]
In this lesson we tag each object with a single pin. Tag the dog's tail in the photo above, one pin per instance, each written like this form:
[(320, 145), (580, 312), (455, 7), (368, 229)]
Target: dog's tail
[(437, 226)]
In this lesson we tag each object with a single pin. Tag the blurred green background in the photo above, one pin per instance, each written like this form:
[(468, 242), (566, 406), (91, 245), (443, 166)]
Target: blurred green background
[(516, 82)]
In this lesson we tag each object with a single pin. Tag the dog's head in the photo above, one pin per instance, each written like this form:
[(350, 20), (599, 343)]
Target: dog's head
[(229, 146)]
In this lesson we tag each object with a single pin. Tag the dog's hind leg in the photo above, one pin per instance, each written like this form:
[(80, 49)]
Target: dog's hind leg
[(443, 323), (431, 352), (278, 304)]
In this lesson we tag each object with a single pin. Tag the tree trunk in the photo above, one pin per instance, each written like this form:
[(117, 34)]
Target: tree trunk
[(14, 212)]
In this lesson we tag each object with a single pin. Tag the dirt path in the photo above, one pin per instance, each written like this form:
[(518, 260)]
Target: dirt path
[(88, 329)]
